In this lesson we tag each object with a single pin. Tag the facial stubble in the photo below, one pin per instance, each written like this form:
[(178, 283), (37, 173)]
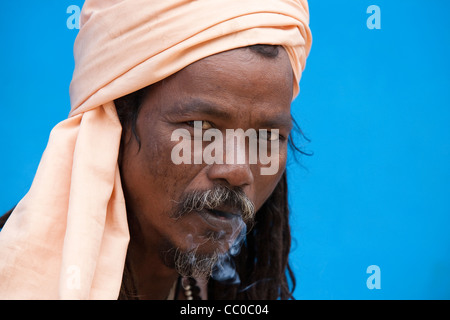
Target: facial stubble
[(193, 260)]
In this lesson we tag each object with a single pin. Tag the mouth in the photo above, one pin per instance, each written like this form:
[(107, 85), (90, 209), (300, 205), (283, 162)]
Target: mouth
[(216, 229), (223, 214), (222, 220)]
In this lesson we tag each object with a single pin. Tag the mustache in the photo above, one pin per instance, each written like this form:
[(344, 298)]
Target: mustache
[(220, 196)]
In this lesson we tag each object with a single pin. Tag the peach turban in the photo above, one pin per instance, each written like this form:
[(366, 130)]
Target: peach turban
[(68, 237)]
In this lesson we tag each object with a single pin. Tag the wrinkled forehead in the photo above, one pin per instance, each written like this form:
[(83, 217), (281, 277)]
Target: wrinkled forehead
[(237, 88), (240, 73)]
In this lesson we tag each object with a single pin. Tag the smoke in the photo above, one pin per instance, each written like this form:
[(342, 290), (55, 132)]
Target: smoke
[(225, 270)]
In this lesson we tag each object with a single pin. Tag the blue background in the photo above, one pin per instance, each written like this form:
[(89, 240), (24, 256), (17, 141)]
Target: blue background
[(375, 104)]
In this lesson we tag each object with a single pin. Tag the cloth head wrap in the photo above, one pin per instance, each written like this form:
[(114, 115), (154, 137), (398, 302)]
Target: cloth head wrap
[(68, 237)]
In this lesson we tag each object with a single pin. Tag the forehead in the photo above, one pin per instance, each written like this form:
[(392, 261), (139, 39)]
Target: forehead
[(241, 83), (241, 72)]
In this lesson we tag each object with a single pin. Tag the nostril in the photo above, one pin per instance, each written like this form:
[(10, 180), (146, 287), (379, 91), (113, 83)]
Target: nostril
[(236, 175)]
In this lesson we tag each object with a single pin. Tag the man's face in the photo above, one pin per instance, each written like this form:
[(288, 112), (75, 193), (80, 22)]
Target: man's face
[(238, 89)]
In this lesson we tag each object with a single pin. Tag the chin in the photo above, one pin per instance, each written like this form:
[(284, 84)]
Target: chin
[(208, 234)]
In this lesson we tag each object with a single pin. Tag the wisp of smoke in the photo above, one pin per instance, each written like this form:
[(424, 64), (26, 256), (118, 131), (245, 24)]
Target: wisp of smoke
[(225, 270)]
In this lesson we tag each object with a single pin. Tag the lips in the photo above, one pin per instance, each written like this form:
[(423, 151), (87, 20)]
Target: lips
[(224, 214), (220, 220), (216, 229)]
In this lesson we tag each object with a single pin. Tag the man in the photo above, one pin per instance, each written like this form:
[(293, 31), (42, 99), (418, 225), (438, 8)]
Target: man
[(120, 207)]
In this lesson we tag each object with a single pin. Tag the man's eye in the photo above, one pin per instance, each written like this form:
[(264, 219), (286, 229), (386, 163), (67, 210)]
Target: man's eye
[(270, 135), (204, 124)]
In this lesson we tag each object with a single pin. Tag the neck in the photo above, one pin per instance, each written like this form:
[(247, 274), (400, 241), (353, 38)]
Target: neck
[(150, 265), (152, 279)]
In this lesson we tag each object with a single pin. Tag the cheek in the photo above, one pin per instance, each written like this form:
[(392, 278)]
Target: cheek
[(149, 177), (265, 184)]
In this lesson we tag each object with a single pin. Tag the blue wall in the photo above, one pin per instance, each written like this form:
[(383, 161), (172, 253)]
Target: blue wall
[(375, 104)]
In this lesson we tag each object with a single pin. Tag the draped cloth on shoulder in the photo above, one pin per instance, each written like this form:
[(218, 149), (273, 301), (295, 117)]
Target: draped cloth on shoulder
[(68, 237)]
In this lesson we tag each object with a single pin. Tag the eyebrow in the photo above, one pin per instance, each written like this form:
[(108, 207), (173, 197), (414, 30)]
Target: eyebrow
[(279, 121), (201, 106)]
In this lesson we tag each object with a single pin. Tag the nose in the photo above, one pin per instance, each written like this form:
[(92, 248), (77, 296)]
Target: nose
[(236, 175)]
